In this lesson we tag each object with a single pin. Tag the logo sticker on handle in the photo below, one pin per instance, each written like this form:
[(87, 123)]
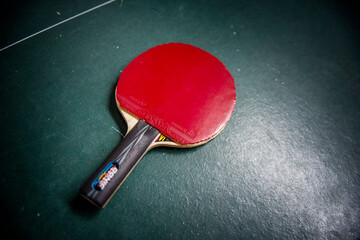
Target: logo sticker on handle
[(105, 176)]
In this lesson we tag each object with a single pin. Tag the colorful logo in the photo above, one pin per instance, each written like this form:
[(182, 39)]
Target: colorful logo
[(161, 138), (105, 176)]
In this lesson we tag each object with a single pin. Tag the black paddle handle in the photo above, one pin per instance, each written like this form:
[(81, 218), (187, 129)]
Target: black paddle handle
[(106, 180)]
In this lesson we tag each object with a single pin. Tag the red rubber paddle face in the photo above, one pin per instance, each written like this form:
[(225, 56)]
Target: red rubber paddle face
[(183, 91)]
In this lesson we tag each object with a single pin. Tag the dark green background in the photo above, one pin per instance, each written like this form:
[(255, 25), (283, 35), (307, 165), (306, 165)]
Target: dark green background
[(285, 167)]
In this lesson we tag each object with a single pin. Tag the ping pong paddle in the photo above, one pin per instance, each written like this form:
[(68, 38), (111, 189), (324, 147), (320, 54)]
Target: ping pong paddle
[(175, 95)]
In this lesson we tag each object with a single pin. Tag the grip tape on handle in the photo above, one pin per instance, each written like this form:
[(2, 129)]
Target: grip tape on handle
[(106, 180)]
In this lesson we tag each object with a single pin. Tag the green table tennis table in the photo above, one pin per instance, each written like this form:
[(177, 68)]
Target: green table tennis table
[(287, 165)]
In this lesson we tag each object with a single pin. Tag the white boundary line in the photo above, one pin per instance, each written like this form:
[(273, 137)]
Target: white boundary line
[(57, 24)]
